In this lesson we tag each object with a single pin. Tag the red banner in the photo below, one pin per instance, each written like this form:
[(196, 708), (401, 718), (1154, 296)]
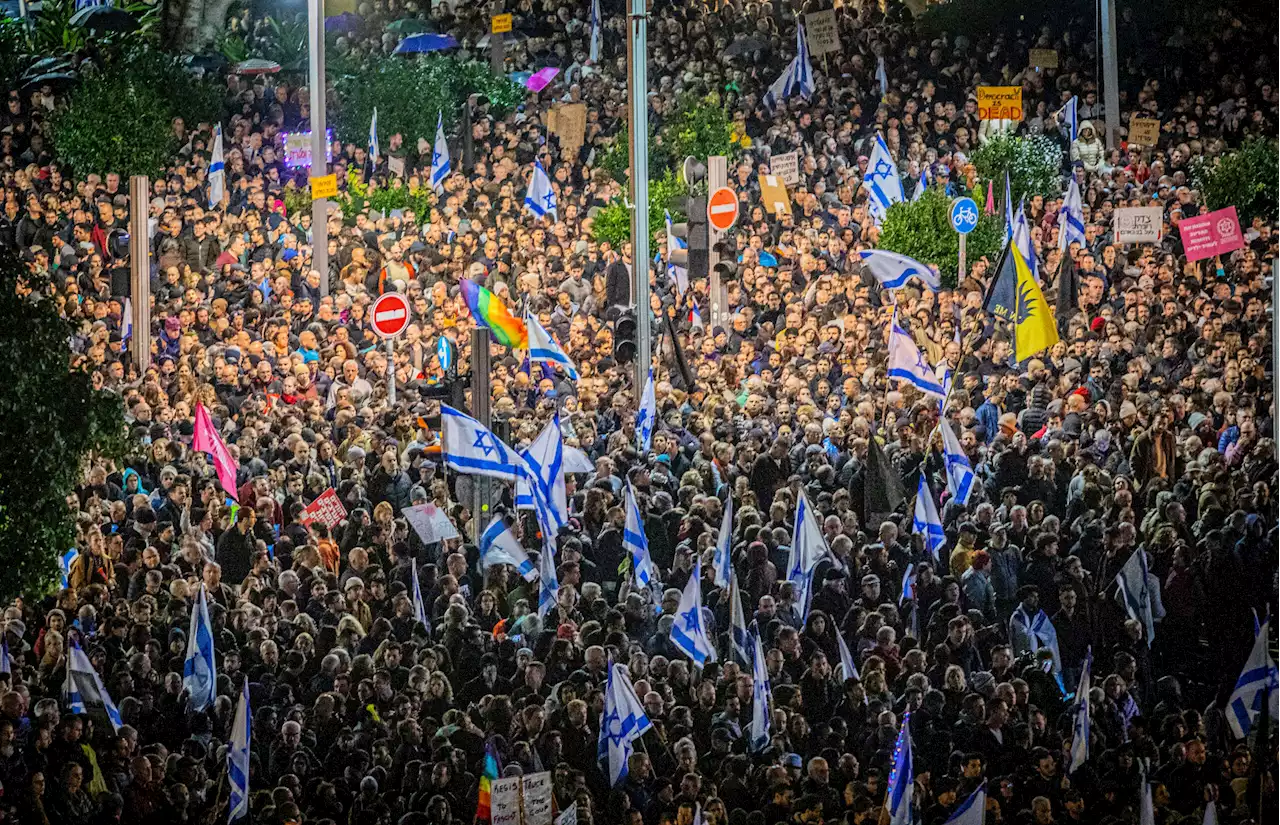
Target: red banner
[(326, 509)]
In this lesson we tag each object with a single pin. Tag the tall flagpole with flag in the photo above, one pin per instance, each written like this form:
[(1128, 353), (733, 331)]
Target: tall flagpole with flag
[(199, 674), (440, 165), (722, 561), (217, 169), (594, 54), (1080, 727), (374, 152), (902, 777), (238, 757), (207, 440)]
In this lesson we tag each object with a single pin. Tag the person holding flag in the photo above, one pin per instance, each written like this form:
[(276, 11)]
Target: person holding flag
[(540, 199), (440, 165)]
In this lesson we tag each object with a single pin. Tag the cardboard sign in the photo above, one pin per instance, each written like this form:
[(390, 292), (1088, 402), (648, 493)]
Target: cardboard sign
[(1000, 103), (786, 167), (297, 148), (1043, 59), (430, 523), (1215, 233), (773, 194), (821, 32), (1144, 131), (568, 121), (504, 801), (500, 24), (395, 165), (570, 815), (1138, 224), (325, 186), (537, 799), (326, 509)]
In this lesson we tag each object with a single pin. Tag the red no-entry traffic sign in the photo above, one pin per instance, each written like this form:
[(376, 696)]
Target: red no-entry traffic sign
[(722, 208), (391, 315)]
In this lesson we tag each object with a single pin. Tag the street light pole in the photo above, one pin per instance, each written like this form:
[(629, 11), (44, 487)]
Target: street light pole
[(1110, 74), (638, 97), (319, 142)]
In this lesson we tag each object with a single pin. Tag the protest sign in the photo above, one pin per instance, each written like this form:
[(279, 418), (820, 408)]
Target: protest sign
[(786, 167), (537, 799), (568, 121), (326, 509), (821, 32), (1144, 131), (504, 801), (570, 815), (1043, 59), (773, 194), (1215, 233), (430, 523), (1138, 224), (1000, 103)]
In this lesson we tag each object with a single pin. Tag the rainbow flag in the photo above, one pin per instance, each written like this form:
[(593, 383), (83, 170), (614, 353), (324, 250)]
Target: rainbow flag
[(490, 773), (490, 312)]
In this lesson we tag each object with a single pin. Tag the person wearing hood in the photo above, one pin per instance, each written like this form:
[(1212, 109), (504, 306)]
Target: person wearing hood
[(1088, 149)]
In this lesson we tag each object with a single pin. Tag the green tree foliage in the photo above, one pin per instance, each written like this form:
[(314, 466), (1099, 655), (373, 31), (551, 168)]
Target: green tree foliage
[(1245, 179), (613, 223), (51, 419), (699, 126), (1034, 165), (393, 194), (922, 230), (120, 118), (409, 92)]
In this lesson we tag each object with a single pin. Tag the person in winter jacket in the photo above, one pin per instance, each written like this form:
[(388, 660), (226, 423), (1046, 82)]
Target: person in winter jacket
[(1088, 149)]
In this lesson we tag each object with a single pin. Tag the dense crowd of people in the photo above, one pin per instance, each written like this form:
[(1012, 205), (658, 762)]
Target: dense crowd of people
[(1146, 429)]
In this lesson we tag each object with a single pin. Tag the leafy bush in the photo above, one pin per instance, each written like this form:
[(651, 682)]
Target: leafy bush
[(395, 194), (119, 119), (408, 93), (922, 230), (1244, 179), (699, 126), (613, 223), (616, 158), (1034, 165)]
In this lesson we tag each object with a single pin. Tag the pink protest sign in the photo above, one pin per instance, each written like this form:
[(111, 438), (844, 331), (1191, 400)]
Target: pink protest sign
[(1215, 233)]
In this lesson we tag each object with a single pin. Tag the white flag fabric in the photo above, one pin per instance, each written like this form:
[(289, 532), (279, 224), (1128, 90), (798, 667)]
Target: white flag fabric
[(576, 461), (902, 777), (1210, 813), (1071, 115), (922, 186), (440, 165), (83, 688), (1022, 240), (882, 76), (549, 584), (499, 546), (1080, 729), (906, 363), (1146, 809), (1135, 592), (636, 543), (594, 53), (689, 633), (646, 416), (723, 559), (1257, 679), (470, 448), (419, 605), (884, 187), (808, 547), (6, 661), (893, 270), (238, 757), (1071, 218), (540, 198), (796, 79), (972, 811), (960, 479), (374, 151), (544, 349), (739, 637), (926, 522), (624, 722), (199, 675), (848, 667), (544, 461), (217, 169), (759, 696)]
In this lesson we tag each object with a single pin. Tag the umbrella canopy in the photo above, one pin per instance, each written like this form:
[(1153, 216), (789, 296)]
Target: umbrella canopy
[(45, 65), (746, 45), (257, 65), (103, 19), (422, 43), (541, 79), (509, 38), (58, 81), (209, 62), (409, 25), (345, 22)]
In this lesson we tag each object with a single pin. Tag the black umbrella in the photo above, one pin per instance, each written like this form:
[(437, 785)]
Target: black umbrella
[(58, 81), (746, 45), (45, 65), (212, 62), (103, 19)]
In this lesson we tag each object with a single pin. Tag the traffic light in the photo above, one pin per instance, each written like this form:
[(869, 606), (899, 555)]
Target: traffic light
[(696, 259), (624, 337)]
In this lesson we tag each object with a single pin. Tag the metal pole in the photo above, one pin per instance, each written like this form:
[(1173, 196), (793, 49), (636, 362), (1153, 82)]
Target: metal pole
[(497, 45), (468, 142), (1275, 352), (638, 97), (140, 272), (480, 397), (391, 371), (961, 271), (717, 176), (1110, 73), (319, 142)]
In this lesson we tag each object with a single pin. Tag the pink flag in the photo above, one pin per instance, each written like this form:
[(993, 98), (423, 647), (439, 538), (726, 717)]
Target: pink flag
[(541, 79), (207, 440), (990, 208)]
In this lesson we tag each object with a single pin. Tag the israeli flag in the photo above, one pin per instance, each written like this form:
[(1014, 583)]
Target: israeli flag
[(64, 565), (238, 757), (739, 638), (893, 270), (1257, 680), (921, 186), (1008, 210), (498, 546), (440, 165), (1072, 118), (695, 316), (808, 547), (679, 275), (959, 470), (636, 543), (543, 348), (722, 562), (624, 721), (906, 363), (540, 198), (1210, 813), (796, 79), (1135, 592), (1071, 218), (1080, 726), (549, 586), (848, 667), (926, 522), (908, 584), (126, 323), (472, 449), (594, 54), (373, 138), (646, 416), (882, 76), (902, 777), (1039, 631), (544, 463), (1022, 240), (6, 661), (217, 169), (1146, 808), (419, 605), (199, 675), (972, 810), (83, 688), (884, 187), (760, 693), (689, 633)]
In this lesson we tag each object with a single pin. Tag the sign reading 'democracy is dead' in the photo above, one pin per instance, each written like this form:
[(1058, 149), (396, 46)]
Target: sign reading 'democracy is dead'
[(1138, 224), (1000, 103), (1215, 233), (821, 32)]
